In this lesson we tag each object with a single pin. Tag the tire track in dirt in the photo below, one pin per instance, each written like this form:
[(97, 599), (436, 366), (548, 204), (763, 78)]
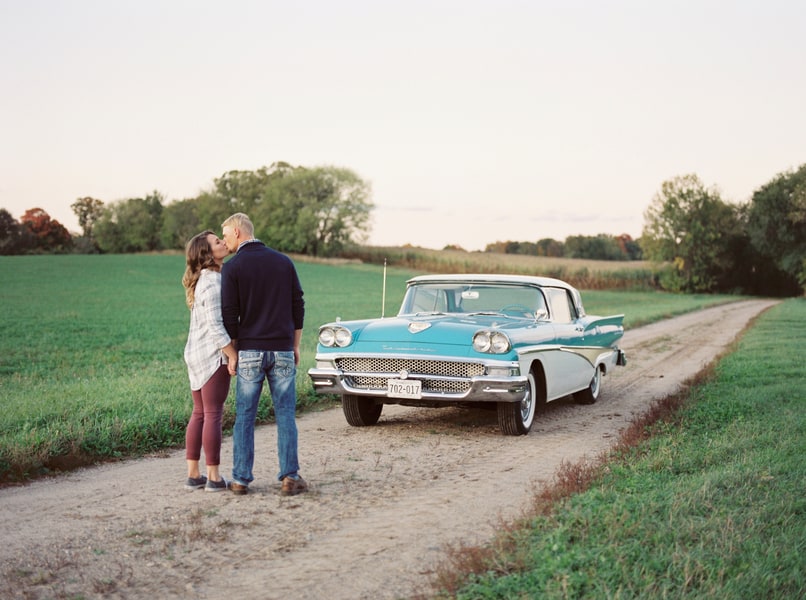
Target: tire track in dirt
[(384, 500)]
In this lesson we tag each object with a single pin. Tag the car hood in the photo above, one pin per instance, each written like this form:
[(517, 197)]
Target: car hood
[(438, 334)]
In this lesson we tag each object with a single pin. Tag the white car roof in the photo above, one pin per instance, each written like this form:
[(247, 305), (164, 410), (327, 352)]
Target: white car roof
[(490, 278)]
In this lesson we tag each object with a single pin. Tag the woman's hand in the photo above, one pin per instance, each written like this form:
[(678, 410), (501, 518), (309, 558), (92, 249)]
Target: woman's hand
[(232, 358)]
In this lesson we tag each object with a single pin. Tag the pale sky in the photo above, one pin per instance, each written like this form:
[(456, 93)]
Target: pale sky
[(473, 121)]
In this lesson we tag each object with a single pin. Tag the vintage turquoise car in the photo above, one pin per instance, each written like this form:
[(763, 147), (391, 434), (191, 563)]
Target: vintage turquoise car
[(508, 342)]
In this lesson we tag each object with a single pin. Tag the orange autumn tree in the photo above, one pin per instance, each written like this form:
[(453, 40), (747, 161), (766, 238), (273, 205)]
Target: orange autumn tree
[(48, 234)]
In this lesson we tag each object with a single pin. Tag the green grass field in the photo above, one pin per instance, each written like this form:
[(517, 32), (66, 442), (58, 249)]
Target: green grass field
[(91, 349), (711, 505)]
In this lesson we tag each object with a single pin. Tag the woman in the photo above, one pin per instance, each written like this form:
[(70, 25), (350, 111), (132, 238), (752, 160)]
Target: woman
[(210, 356)]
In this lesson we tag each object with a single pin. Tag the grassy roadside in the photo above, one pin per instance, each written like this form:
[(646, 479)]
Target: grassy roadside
[(708, 504), (91, 348)]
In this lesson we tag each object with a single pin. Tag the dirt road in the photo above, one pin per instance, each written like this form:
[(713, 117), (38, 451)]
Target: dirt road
[(384, 500)]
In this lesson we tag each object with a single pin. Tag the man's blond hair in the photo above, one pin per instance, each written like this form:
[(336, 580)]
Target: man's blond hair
[(242, 222)]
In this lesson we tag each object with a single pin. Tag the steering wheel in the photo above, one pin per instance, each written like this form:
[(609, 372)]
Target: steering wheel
[(518, 308)]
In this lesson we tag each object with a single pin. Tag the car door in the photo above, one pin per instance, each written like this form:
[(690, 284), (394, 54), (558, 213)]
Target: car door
[(567, 370)]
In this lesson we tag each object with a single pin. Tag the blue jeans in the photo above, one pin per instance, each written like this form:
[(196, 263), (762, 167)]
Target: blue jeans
[(281, 372)]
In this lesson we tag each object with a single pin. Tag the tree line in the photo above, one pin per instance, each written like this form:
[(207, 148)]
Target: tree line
[(315, 211), (593, 247), (757, 247)]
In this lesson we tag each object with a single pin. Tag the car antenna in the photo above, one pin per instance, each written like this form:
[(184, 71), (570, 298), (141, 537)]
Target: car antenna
[(383, 295)]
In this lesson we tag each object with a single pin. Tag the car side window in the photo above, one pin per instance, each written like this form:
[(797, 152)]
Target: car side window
[(562, 305)]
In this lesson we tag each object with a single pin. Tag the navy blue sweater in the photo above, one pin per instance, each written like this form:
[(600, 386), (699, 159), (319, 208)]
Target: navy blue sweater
[(261, 298)]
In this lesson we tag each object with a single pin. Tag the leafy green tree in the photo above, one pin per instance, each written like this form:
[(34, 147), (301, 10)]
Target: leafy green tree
[(180, 222), (691, 227), (629, 247), (498, 247), (514, 248), (237, 191), (107, 231), (528, 248), (88, 210), (315, 211), (211, 209), (550, 247), (132, 225), (776, 222), (598, 247), (754, 273), (14, 238)]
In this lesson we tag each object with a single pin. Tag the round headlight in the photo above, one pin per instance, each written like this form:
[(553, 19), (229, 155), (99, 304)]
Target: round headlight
[(343, 337), (481, 341), (327, 337), (499, 342)]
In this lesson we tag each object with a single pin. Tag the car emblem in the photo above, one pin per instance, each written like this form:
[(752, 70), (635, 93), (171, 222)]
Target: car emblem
[(418, 326), (404, 374)]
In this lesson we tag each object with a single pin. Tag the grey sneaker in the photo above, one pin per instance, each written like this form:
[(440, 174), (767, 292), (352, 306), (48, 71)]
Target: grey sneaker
[(195, 483), (216, 486), (292, 487)]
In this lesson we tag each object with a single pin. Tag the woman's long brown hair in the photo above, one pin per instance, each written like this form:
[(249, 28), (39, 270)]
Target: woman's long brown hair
[(198, 256)]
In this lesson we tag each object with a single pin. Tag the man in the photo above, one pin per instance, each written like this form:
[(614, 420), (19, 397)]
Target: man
[(263, 312)]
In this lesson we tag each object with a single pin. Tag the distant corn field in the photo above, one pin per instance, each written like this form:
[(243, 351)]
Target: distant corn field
[(582, 273)]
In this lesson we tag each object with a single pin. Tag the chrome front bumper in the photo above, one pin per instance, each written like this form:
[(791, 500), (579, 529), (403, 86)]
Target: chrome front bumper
[(482, 388)]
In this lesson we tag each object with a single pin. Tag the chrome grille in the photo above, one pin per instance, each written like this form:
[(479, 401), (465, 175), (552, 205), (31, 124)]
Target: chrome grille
[(440, 376)]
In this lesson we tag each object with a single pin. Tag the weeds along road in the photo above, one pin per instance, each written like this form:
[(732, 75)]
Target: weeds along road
[(384, 500)]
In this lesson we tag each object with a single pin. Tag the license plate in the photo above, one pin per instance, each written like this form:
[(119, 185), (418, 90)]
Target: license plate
[(404, 388)]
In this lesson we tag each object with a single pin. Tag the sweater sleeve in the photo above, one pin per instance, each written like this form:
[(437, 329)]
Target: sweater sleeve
[(229, 300), (297, 302)]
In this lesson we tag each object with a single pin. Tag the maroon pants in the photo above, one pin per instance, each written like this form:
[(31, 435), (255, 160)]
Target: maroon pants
[(204, 427)]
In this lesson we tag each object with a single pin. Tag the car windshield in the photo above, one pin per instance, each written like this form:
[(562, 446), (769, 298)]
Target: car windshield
[(513, 300)]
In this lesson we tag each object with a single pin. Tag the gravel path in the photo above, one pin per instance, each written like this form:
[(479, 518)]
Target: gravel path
[(384, 500)]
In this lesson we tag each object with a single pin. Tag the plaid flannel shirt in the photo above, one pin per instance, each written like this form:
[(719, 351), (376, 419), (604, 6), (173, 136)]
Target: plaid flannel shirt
[(207, 335)]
